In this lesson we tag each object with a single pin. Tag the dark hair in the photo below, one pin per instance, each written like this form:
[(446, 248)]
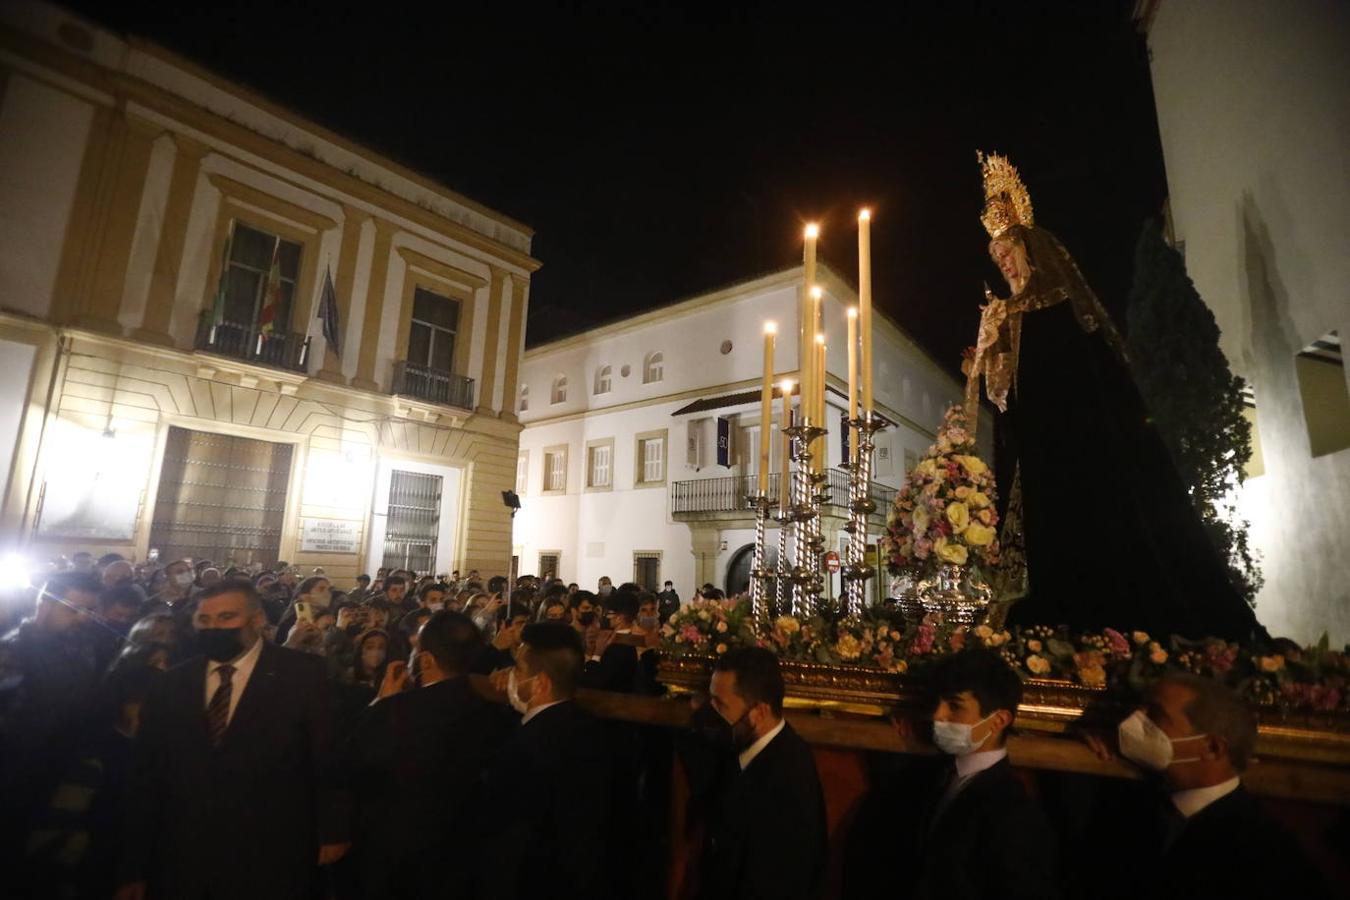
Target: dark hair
[(63, 583), (308, 584), (990, 680), (428, 588), (232, 586), (581, 597), (555, 601), (453, 640), (122, 595), (363, 577), (1219, 712), (625, 603), (391, 580), (414, 619), (108, 559), (557, 651), (713, 594), (496, 584), (129, 683), (758, 678)]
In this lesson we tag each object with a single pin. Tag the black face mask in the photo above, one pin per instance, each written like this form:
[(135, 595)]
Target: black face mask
[(221, 644), (709, 724), (587, 619)]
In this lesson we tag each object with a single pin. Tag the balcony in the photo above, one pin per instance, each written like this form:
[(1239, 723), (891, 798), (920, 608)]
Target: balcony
[(279, 349), (432, 385), (700, 497)]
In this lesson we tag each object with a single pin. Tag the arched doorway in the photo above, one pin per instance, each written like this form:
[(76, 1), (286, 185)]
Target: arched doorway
[(738, 570)]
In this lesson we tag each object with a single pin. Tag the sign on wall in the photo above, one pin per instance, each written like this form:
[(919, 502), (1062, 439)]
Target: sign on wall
[(329, 536), (724, 441)]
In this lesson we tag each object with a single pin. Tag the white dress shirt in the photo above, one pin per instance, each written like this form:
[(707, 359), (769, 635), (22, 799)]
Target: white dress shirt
[(525, 719), (747, 756), (243, 669), (1188, 803)]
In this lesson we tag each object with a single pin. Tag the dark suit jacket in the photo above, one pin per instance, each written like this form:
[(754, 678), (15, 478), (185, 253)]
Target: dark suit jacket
[(1233, 848), (767, 835), (244, 819), (418, 762), (549, 826), (990, 840)]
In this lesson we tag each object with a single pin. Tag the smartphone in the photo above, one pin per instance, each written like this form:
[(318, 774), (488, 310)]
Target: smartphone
[(304, 612), (154, 554)]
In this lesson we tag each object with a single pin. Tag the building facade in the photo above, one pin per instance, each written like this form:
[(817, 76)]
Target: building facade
[(620, 473), (1253, 111), (171, 246)]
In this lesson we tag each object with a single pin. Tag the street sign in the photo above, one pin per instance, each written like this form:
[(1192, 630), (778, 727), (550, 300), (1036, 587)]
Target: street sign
[(832, 562)]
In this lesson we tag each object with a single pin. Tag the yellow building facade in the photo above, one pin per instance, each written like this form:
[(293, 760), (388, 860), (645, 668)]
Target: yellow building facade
[(170, 247)]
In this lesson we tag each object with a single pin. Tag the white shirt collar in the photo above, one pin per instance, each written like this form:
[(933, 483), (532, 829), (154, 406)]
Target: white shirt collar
[(1190, 802), (747, 756), (974, 763), (537, 710)]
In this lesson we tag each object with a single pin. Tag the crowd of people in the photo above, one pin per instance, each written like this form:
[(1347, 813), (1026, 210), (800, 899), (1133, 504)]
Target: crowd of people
[(197, 731)]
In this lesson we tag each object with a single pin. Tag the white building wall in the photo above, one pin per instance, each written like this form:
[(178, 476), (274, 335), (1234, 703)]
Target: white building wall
[(1254, 113), (598, 532)]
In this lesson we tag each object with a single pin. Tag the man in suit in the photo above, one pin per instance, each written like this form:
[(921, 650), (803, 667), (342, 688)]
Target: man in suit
[(977, 833), (418, 760), (230, 784), (1212, 838), (549, 822), (767, 834)]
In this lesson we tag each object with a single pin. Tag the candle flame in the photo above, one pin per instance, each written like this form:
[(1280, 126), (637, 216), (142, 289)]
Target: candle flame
[(853, 312), (820, 339), (816, 292), (770, 327), (786, 385), (865, 215), (812, 231)]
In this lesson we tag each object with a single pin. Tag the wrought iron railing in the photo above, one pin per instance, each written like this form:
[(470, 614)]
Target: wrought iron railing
[(281, 349), (730, 494), (432, 385)]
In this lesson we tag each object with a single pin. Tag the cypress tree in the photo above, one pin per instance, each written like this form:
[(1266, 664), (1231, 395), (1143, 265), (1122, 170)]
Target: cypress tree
[(1192, 395)]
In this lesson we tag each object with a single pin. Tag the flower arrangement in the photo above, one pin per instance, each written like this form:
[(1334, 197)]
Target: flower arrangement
[(944, 513), (1313, 679)]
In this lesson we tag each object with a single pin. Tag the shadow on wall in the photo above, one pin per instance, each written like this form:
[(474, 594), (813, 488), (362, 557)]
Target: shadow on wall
[(1309, 500)]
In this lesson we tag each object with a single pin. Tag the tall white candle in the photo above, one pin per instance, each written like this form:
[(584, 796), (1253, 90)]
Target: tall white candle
[(808, 328), (852, 362), (865, 304), (766, 409)]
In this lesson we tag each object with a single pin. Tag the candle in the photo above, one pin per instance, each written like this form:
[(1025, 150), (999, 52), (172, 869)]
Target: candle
[(817, 450), (817, 384), (786, 422), (766, 409), (852, 362), (865, 304), (808, 327)]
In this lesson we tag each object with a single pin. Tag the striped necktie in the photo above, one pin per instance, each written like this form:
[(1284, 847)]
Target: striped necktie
[(218, 710)]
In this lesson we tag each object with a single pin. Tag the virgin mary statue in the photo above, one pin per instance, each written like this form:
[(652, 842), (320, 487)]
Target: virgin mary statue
[(1109, 533)]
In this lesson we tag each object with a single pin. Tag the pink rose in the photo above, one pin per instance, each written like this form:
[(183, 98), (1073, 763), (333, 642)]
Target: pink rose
[(1119, 645)]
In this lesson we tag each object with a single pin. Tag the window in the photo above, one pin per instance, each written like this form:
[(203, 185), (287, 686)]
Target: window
[(559, 390), (604, 380), (653, 369), (524, 397), (650, 468), (1326, 402), (647, 569), (431, 338), (549, 561), (555, 470), (522, 472), (600, 465), (259, 282)]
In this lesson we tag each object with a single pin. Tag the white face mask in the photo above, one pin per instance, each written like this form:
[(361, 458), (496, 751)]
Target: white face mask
[(954, 737), (436, 607), (513, 693), (1144, 743), (183, 579), (321, 598)]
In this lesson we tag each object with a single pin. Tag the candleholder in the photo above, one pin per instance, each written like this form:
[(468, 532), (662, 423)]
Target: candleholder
[(759, 574), (860, 507), (807, 498), (782, 568)]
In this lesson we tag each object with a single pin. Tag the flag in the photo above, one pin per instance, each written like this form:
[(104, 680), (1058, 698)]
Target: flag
[(271, 292), (218, 309), (328, 311)]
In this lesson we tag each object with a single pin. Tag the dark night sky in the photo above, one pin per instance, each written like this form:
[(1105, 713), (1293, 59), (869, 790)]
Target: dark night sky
[(659, 154)]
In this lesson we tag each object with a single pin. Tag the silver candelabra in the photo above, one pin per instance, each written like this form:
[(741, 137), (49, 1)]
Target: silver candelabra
[(860, 507)]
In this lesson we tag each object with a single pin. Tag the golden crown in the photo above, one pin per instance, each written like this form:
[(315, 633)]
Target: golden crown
[(1006, 201)]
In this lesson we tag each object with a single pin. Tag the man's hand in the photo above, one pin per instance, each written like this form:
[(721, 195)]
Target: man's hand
[(395, 681), (500, 678), (344, 618), (507, 638), (133, 891), (302, 634), (1099, 745), (331, 853)]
